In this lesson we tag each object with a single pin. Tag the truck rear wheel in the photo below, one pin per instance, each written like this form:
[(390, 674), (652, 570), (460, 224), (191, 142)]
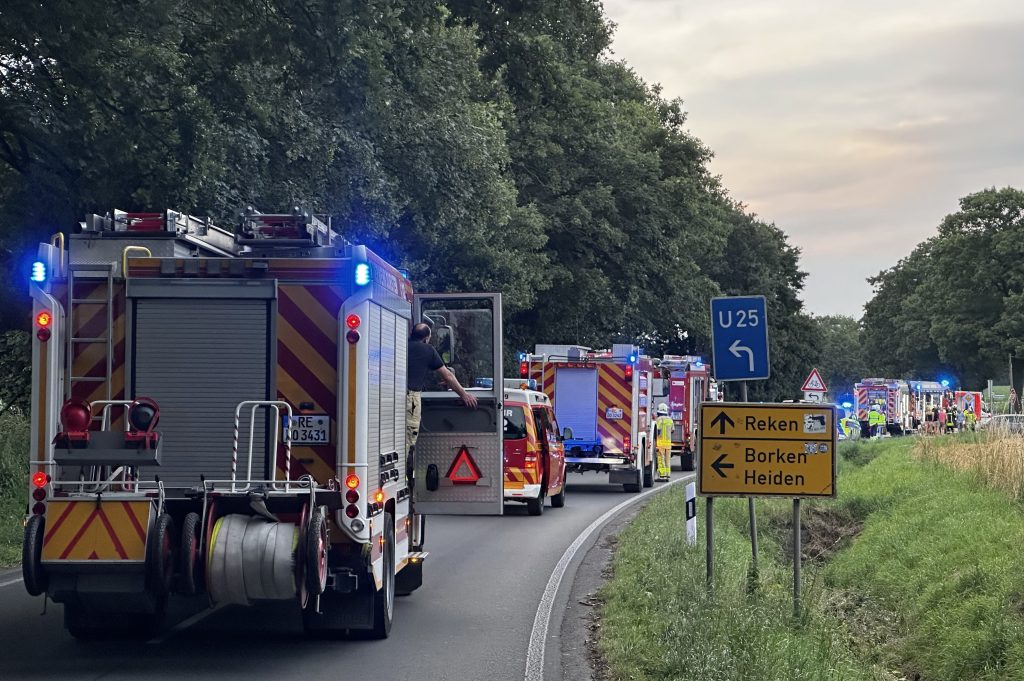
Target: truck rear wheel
[(384, 599), (31, 556), (160, 557), (649, 472)]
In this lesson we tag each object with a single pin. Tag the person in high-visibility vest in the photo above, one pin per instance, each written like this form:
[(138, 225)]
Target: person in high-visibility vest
[(663, 427), (970, 418), (876, 421)]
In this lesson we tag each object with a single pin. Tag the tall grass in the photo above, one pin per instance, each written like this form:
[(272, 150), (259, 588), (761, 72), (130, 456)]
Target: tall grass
[(14, 445), (997, 458)]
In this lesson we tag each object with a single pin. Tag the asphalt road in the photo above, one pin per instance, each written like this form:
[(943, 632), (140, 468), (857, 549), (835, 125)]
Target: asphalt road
[(471, 620)]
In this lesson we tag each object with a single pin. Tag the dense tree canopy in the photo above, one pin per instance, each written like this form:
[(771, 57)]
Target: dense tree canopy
[(956, 303), (481, 144)]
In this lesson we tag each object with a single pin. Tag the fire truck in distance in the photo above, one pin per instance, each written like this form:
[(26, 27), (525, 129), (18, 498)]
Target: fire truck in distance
[(223, 412), (683, 382), (602, 401)]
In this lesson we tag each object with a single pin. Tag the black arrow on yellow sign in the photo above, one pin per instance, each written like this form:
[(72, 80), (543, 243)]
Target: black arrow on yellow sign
[(717, 465), (720, 421)]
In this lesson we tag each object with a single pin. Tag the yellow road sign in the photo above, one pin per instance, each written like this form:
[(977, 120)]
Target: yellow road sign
[(772, 450)]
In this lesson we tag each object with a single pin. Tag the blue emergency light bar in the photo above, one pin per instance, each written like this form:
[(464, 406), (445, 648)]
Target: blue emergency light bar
[(38, 272), (362, 274)]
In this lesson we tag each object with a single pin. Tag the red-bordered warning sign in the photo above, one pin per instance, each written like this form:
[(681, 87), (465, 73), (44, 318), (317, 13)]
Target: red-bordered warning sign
[(463, 470), (814, 383)]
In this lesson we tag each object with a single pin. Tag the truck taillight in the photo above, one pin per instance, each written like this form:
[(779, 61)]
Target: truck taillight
[(524, 369), (352, 336), (352, 481), (353, 321), (40, 479), (629, 372), (627, 445), (44, 320)]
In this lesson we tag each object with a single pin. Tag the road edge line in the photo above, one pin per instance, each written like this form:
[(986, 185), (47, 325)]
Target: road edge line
[(19, 580), (535, 651)]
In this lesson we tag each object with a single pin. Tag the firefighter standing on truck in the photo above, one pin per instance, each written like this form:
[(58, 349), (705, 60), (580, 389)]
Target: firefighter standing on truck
[(423, 359), (663, 439)]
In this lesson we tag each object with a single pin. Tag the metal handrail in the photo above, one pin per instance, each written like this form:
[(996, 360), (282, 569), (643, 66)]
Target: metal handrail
[(276, 406), (132, 249), (59, 236)]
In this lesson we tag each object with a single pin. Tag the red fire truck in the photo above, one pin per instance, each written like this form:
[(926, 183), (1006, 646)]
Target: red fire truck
[(223, 412), (602, 402), (682, 382)]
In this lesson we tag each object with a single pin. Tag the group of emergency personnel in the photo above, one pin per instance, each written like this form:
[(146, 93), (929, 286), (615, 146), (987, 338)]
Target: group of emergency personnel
[(951, 419)]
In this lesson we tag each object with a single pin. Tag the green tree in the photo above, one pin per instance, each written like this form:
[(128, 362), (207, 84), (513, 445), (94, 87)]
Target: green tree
[(842, 360)]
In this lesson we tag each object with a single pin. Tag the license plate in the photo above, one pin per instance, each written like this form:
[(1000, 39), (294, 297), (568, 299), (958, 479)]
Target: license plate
[(308, 429)]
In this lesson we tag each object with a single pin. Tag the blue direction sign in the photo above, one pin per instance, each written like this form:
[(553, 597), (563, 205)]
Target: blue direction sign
[(739, 335)]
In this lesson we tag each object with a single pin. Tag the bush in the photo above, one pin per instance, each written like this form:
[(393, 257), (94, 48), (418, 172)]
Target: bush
[(14, 447)]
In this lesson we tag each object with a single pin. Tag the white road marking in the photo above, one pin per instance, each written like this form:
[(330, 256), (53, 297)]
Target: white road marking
[(8, 583), (539, 633), (184, 624)]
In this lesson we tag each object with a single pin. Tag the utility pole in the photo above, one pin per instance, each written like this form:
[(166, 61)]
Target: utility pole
[(1009, 406)]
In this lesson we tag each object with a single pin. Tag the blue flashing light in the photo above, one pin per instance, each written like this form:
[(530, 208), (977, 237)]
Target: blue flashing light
[(522, 356), (632, 359), (38, 272), (847, 405), (945, 383), (362, 274)]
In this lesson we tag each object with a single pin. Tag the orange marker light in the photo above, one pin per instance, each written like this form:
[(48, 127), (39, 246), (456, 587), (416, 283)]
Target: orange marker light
[(44, 319), (379, 496), (352, 481)]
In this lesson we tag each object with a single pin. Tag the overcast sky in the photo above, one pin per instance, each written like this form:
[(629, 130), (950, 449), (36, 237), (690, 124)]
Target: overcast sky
[(854, 125)]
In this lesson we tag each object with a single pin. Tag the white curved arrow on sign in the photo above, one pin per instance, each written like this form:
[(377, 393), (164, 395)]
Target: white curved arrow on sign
[(736, 349)]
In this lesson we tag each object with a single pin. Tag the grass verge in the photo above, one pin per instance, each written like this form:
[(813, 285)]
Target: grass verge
[(939, 560), (659, 621), (14, 444), (913, 573)]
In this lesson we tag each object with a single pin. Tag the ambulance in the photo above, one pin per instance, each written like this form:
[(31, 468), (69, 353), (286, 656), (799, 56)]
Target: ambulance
[(222, 412), (533, 449), (602, 401)]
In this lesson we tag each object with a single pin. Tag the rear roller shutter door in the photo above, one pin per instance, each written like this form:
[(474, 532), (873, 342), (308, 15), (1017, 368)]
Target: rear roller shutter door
[(198, 358)]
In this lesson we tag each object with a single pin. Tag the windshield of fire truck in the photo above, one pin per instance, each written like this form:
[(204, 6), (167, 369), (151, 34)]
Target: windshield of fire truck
[(462, 331)]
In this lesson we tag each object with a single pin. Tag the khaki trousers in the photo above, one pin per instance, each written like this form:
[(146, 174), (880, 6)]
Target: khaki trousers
[(413, 411)]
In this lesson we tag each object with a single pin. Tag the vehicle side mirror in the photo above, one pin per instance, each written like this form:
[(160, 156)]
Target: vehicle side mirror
[(567, 433), (444, 341)]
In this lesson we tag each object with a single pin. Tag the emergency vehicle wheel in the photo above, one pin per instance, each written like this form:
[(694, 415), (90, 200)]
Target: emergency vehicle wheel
[(384, 599), (536, 506), (160, 556), (190, 568), (316, 553), (649, 472), (31, 556), (558, 500)]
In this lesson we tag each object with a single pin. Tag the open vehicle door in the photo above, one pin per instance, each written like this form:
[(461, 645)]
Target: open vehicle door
[(458, 457)]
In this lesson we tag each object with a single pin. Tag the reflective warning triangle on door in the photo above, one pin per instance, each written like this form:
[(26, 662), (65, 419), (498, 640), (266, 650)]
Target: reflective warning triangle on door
[(463, 470)]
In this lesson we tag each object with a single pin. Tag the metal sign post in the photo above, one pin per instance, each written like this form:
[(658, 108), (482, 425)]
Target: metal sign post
[(797, 557), (739, 340)]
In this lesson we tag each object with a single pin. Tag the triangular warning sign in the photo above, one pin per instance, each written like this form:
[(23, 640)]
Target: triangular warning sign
[(814, 383), (463, 470)]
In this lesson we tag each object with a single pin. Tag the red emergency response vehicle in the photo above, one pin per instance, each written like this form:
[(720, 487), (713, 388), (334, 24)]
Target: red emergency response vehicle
[(534, 453), (682, 382), (969, 400), (602, 401), (223, 412), (892, 397)]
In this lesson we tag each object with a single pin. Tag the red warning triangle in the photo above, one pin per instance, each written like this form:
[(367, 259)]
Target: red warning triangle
[(463, 470), (814, 383)]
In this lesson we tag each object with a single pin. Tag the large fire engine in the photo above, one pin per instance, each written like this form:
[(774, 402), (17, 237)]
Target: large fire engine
[(682, 382), (893, 398), (602, 402), (223, 412)]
